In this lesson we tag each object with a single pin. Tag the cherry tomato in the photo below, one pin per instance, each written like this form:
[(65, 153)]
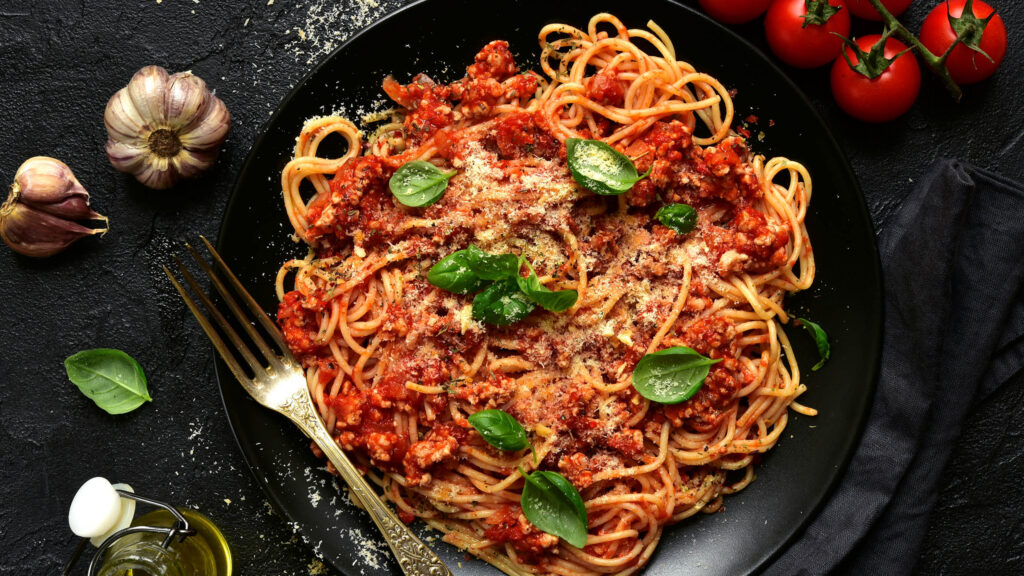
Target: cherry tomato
[(965, 65), (883, 98), (734, 11), (864, 9), (807, 46)]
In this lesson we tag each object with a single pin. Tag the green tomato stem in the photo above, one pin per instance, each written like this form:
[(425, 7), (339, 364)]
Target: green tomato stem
[(937, 64)]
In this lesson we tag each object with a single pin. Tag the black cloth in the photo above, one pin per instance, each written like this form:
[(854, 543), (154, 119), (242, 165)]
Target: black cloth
[(953, 266)]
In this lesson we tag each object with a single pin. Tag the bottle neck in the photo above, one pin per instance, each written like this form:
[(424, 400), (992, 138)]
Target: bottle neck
[(142, 557)]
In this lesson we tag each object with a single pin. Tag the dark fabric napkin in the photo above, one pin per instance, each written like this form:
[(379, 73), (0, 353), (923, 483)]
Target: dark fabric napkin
[(953, 266)]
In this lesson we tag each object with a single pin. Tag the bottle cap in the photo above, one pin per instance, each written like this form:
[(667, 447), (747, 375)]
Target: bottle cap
[(97, 511)]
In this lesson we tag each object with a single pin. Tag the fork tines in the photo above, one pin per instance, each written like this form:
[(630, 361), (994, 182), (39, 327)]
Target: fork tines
[(219, 273)]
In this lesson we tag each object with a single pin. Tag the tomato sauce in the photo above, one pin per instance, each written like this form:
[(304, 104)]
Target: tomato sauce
[(509, 524), (298, 324), (590, 436)]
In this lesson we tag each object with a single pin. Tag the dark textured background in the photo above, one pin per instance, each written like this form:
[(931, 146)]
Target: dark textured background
[(59, 63)]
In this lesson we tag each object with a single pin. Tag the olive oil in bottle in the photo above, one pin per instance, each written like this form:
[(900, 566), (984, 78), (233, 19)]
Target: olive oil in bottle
[(204, 554)]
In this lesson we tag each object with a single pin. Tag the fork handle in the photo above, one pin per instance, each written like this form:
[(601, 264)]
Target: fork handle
[(415, 557)]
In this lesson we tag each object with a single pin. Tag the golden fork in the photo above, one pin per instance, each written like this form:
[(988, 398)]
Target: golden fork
[(278, 383)]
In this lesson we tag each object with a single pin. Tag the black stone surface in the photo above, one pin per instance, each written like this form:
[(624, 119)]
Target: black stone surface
[(59, 63)]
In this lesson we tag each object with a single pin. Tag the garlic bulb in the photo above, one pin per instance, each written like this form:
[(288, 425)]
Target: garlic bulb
[(163, 127), (45, 208)]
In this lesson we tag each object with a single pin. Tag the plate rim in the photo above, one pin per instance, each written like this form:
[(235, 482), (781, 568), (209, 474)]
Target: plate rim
[(875, 323)]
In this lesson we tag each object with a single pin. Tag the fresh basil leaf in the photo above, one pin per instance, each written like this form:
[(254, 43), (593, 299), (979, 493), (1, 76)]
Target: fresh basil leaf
[(419, 183), (820, 340), (559, 301), (510, 298), (454, 273), (500, 429), (110, 378), (501, 304), (600, 168), (492, 266), (552, 504), (672, 375), (471, 270), (680, 217)]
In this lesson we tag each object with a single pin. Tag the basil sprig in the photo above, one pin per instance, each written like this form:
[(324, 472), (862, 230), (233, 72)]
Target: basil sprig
[(552, 504), (600, 168), (110, 378), (419, 183), (502, 304), (820, 340), (680, 217), (507, 297), (501, 430), (471, 270), (559, 301), (672, 375)]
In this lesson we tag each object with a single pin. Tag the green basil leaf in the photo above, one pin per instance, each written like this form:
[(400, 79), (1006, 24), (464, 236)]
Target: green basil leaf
[(680, 217), (500, 430), (471, 270), (820, 340), (419, 183), (552, 504), (559, 301), (672, 375), (600, 168), (454, 273), (501, 304), (492, 266), (110, 378)]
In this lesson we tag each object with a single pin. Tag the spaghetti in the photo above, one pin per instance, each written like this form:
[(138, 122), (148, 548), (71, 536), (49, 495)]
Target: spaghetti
[(396, 365)]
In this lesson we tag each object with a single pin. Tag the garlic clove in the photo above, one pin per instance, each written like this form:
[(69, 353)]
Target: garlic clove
[(147, 89), (47, 184), (157, 173), (127, 157), (39, 234), (192, 163), (186, 100), (123, 121), (209, 130)]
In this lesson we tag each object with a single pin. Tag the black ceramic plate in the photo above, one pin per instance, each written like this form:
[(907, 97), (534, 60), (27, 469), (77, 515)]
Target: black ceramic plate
[(441, 39)]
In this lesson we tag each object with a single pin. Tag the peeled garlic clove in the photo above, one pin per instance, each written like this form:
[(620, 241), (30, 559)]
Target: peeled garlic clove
[(44, 212), (95, 509), (163, 127)]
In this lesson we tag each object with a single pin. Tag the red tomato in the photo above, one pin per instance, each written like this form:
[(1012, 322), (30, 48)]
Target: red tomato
[(883, 98), (864, 9), (734, 11), (966, 66), (807, 46)]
